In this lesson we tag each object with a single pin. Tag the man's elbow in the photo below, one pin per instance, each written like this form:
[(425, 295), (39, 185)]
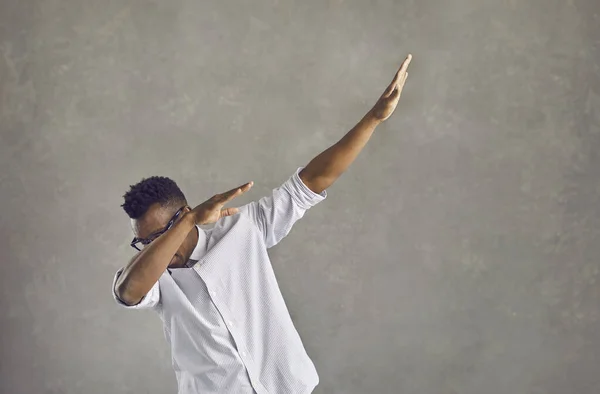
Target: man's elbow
[(317, 184), (124, 293)]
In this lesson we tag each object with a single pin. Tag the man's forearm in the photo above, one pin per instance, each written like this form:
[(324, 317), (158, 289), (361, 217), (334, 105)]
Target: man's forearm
[(326, 168), (147, 266)]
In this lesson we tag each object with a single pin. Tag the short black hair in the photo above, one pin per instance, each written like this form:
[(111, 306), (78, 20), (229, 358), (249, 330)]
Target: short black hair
[(148, 191)]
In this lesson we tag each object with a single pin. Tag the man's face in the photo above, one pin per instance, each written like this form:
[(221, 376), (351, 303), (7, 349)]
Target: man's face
[(154, 221)]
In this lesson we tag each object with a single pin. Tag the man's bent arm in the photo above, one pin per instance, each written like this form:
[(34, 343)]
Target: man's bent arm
[(144, 270)]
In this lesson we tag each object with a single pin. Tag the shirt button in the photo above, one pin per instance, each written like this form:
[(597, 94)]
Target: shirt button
[(243, 354), (230, 323), (213, 293)]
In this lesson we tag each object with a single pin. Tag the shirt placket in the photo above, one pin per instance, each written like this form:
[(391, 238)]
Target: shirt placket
[(236, 334)]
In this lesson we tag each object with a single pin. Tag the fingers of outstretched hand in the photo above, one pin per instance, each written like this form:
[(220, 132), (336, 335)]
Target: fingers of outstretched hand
[(399, 78), (402, 81), (398, 88), (390, 89), (231, 194), (404, 65), (228, 212)]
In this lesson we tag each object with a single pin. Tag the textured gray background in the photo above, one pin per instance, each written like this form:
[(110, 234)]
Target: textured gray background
[(459, 254)]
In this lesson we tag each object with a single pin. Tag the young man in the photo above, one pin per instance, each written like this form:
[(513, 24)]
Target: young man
[(215, 291)]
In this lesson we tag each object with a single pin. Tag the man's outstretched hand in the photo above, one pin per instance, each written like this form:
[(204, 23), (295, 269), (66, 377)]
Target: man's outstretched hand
[(212, 209), (388, 101)]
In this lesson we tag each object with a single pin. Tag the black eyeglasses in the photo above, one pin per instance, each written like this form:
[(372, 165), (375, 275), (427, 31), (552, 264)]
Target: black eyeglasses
[(139, 243)]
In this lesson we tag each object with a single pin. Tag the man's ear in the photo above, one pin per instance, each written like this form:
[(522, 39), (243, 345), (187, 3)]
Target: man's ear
[(187, 209)]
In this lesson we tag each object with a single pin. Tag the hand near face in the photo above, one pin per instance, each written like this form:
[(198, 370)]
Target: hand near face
[(212, 209)]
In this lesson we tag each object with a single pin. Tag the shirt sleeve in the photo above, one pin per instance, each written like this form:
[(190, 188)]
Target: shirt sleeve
[(275, 214), (149, 301)]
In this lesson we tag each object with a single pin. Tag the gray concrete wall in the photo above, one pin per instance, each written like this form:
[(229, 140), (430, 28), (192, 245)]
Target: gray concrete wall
[(459, 254)]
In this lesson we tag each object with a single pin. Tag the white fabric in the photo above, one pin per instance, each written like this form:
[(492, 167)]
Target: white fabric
[(225, 318)]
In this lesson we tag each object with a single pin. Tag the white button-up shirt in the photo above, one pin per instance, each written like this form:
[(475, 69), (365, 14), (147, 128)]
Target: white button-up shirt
[(225, 318)]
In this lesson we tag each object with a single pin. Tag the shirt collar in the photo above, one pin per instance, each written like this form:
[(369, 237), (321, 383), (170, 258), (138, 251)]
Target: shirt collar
[(200, 248)]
